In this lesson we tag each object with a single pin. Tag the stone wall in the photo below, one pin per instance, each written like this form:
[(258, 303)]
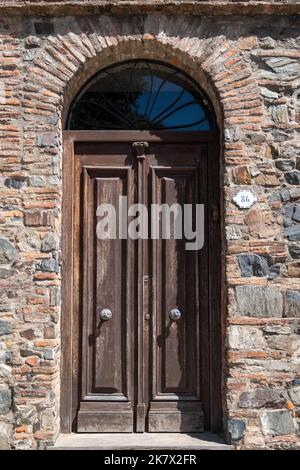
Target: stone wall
[(249, 66)]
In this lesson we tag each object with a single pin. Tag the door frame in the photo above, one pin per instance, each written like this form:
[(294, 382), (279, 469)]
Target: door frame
[(212, 403)]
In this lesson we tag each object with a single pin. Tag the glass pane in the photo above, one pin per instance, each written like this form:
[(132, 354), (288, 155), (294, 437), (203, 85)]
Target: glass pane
[(141, 95)]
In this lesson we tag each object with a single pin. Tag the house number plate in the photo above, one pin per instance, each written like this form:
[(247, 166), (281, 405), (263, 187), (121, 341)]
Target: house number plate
[(244, 199)]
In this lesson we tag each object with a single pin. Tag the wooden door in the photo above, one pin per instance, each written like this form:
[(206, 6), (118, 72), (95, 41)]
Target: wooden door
[(142, 369), (178, 174)]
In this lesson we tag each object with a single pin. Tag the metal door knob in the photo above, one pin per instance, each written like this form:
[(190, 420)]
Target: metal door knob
[(175, 314), (105, 314)]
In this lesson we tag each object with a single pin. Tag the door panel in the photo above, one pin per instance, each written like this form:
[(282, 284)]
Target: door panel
[(141, 370), (110, 272), (175, 405), (107, 365), (175, 340)]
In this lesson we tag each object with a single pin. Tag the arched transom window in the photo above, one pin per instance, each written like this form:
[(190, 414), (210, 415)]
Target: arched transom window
[(141, 95)]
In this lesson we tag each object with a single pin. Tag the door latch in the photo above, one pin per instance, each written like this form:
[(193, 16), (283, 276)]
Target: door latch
[(146, 297)]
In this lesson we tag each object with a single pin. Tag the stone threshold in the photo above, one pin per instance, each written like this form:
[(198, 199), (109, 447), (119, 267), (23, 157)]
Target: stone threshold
[(142, 7), (146, 441)]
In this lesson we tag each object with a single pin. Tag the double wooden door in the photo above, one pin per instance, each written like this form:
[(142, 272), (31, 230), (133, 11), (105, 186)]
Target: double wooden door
[(142, 351)]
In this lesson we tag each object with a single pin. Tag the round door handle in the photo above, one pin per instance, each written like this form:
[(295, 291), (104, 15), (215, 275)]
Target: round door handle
[(175, 314), (105, 314)]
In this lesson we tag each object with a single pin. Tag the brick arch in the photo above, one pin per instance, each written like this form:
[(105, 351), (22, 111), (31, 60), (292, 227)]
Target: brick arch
[(144, 48), (218, 66)]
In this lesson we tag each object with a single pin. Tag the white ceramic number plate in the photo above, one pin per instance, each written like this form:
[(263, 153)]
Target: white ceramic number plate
[(245, 199)]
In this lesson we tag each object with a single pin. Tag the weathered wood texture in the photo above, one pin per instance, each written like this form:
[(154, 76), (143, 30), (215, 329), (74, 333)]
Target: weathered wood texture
[(140, 370)]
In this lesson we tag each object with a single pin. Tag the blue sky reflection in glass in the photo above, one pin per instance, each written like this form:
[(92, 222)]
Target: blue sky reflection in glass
[(144, 96)]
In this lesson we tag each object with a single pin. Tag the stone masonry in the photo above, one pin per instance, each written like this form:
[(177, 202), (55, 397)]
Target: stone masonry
[(250, 68)]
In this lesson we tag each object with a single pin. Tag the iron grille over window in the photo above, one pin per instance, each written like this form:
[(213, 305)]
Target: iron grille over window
[(141, 95)]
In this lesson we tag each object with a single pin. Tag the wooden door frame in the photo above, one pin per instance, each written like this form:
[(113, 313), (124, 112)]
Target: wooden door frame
[(70, 369)]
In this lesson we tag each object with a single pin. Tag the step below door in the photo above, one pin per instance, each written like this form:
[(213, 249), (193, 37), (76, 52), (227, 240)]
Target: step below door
[(178, 175), (107, 308)]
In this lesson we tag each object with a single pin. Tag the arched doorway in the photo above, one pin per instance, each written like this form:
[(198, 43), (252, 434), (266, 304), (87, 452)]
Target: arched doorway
[(143, 350)]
